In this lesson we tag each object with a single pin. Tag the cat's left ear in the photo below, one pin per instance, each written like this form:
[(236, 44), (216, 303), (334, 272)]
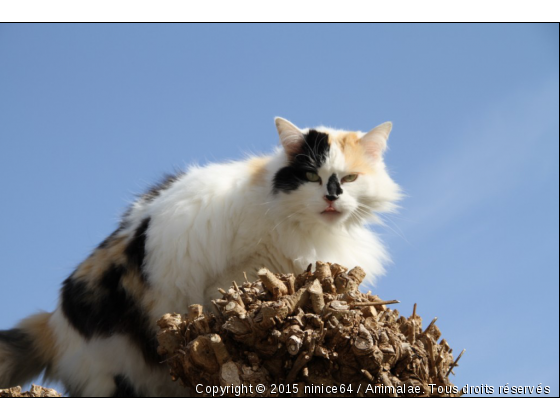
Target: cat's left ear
[(291, 137), (375, 141)]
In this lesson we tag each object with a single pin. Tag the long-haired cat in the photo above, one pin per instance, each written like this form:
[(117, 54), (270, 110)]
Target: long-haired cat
[(310, 200)]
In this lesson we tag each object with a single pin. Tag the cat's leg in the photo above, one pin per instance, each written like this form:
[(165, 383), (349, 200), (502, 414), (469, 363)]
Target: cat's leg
[(106, 366)]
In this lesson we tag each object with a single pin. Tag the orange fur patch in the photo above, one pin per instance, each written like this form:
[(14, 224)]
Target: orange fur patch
[(101, 259), (354, 153), (133, 284), (37, 326), (149, 301), (257, 168), (97, 264)]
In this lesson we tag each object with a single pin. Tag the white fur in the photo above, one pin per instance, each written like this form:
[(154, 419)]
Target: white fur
[(214, 223)]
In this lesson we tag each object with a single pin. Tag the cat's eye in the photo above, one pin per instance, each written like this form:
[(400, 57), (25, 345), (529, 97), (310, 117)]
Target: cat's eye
[(312, 176), (350, 178)]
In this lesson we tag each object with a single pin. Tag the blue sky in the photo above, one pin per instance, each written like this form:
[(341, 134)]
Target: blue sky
[(91, 115)]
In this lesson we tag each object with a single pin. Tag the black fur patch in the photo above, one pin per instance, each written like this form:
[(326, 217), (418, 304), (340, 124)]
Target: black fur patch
[(24, 362), (136, 248), (333, 188), (16, 339), (106, 309), (124, 388), (156, 190), (311, 156)]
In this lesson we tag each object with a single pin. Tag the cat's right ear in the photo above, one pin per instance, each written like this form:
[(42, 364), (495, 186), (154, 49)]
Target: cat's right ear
[(291, 137)]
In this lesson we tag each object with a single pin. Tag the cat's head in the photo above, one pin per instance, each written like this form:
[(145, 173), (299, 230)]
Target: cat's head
[(333, 176)]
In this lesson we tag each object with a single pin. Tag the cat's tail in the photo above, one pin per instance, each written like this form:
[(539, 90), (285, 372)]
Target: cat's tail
[(26, 350)]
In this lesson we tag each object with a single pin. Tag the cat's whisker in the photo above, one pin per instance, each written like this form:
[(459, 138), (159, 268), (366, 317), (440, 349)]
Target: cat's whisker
[(383, 222), (399, 233), (359, 214), (286, 218)]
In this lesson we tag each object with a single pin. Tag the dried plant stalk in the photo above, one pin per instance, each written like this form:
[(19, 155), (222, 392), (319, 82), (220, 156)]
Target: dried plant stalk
[(36, 391), (315, 329)]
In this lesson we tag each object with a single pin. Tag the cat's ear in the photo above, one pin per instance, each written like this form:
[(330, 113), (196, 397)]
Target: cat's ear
[(291, 137), (375, 141)]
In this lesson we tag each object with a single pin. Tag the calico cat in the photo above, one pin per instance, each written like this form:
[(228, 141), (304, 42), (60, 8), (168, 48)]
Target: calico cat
[(309, 200)]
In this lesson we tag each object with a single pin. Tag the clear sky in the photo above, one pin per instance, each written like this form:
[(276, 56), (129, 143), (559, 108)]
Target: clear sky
[(91, 115)]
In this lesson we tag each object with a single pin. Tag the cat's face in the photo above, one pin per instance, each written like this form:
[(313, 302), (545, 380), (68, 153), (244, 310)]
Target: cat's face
[(333, 177)]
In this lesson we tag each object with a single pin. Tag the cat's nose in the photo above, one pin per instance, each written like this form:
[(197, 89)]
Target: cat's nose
[(331, 197)]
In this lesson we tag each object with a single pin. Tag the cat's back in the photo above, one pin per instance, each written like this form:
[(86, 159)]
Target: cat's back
[(199, 224), (213, 185)]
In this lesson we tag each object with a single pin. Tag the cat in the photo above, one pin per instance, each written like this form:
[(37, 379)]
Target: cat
[(194, 232)]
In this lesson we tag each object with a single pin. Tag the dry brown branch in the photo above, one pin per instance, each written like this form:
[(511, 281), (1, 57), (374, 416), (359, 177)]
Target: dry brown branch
[(312, 329), (272, 283), (381, 302)]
